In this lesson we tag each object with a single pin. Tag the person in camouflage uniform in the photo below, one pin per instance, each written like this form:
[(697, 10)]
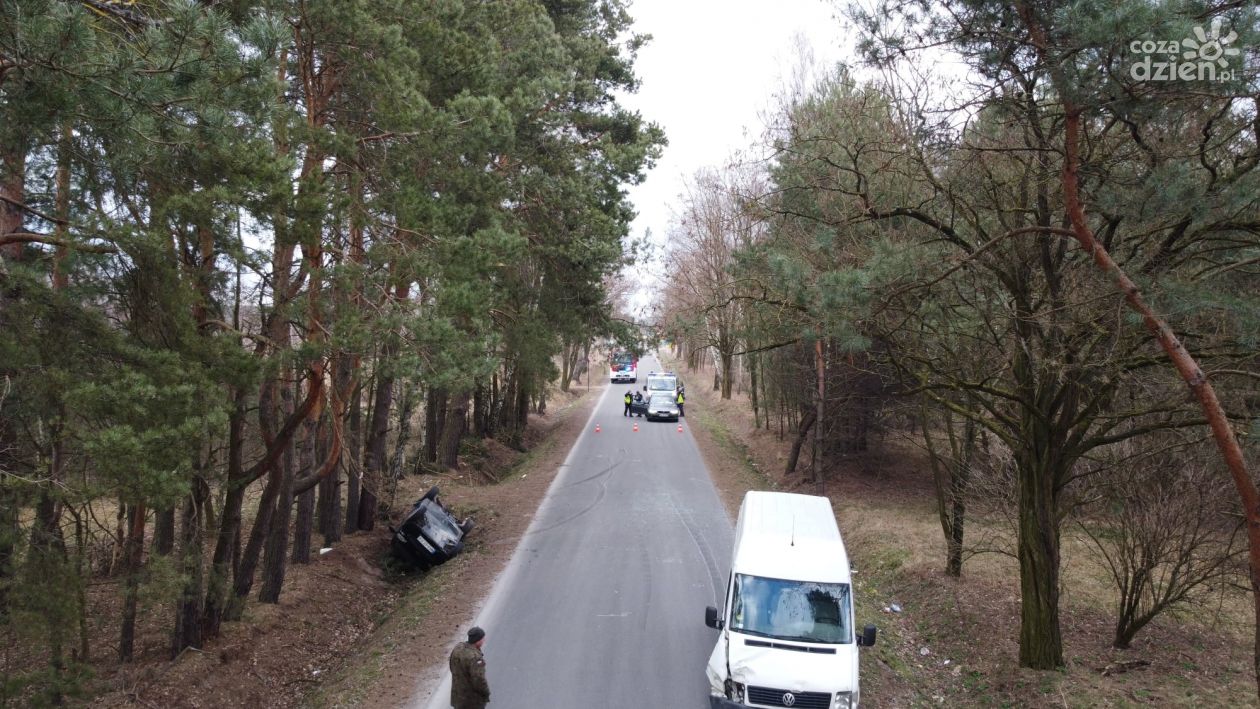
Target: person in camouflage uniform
[(469, 689)]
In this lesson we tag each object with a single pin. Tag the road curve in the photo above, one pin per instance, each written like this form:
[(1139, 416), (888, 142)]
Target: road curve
[(602, 603)]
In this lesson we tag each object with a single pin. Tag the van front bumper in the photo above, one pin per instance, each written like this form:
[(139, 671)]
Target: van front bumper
[(723, 703)]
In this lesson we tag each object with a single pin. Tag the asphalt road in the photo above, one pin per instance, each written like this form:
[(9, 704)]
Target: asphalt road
[(602, 604)]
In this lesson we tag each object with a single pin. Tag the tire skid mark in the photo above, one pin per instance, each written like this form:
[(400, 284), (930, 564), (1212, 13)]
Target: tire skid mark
[(601, 473), (605, 476), (646, 559), (702, 547)]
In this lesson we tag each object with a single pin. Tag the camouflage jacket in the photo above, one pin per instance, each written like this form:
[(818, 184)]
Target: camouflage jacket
[(469, 689)]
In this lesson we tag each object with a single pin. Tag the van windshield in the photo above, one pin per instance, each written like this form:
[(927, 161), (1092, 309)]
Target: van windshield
[(662, 383), (791, 610)]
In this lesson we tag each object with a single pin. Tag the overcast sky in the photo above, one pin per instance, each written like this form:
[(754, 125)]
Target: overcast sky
[(709, 76)]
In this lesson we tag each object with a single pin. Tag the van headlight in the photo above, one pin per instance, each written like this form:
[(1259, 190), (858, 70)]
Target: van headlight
[(844, 700), (734, 691)]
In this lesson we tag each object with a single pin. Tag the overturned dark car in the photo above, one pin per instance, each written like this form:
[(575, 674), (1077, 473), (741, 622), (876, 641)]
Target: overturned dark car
[(430, 534)]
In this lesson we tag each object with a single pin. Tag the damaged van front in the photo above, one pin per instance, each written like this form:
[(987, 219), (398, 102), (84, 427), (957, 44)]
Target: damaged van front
[(787, 635)]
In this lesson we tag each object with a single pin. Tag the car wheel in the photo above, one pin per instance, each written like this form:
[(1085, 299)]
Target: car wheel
[(467, 525), (431, 494)]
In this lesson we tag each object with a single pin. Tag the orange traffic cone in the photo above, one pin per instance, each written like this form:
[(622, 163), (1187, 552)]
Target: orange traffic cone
[(596, 428), (680, 428), (636, 427)]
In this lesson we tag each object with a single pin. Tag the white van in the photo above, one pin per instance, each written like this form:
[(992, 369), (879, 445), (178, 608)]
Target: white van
[(787, 630)]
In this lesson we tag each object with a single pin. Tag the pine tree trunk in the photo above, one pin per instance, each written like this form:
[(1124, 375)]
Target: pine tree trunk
[(47, 564), (1040, 638), (507, 404), (9, 533), (133, 554), (83, 655), (480, 404), (328, 507), (434, 414), (566, 365), (188, 611), (353, 459), (728, 367), (959, 483), (164, 531), (275, 557), (304, 522), (13, 188), (374, 468), (752, 392), (330, 519), (398, 460), (520, 416), (228, 537), (260, 533), (801, 436), (954, 544), (303, 527), (819, 400), (453, 431)]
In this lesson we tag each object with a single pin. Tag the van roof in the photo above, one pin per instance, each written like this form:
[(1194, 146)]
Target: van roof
[(789, 536)]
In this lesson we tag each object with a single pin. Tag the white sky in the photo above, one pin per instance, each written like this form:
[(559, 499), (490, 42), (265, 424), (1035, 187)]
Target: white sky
[(708, 77)]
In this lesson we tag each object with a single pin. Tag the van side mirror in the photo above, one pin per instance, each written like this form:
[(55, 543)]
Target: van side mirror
[(711, 618), (868, 636)]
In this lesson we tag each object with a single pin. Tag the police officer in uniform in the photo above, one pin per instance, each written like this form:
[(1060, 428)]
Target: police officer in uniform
[(469, 689), (680, 401), (627, 400)]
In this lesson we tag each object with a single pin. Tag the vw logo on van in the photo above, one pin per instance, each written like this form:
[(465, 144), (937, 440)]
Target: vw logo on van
[(789, 699)]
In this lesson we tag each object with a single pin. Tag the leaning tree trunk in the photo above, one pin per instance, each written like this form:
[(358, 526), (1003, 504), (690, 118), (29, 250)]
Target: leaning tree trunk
[(802, 435)]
